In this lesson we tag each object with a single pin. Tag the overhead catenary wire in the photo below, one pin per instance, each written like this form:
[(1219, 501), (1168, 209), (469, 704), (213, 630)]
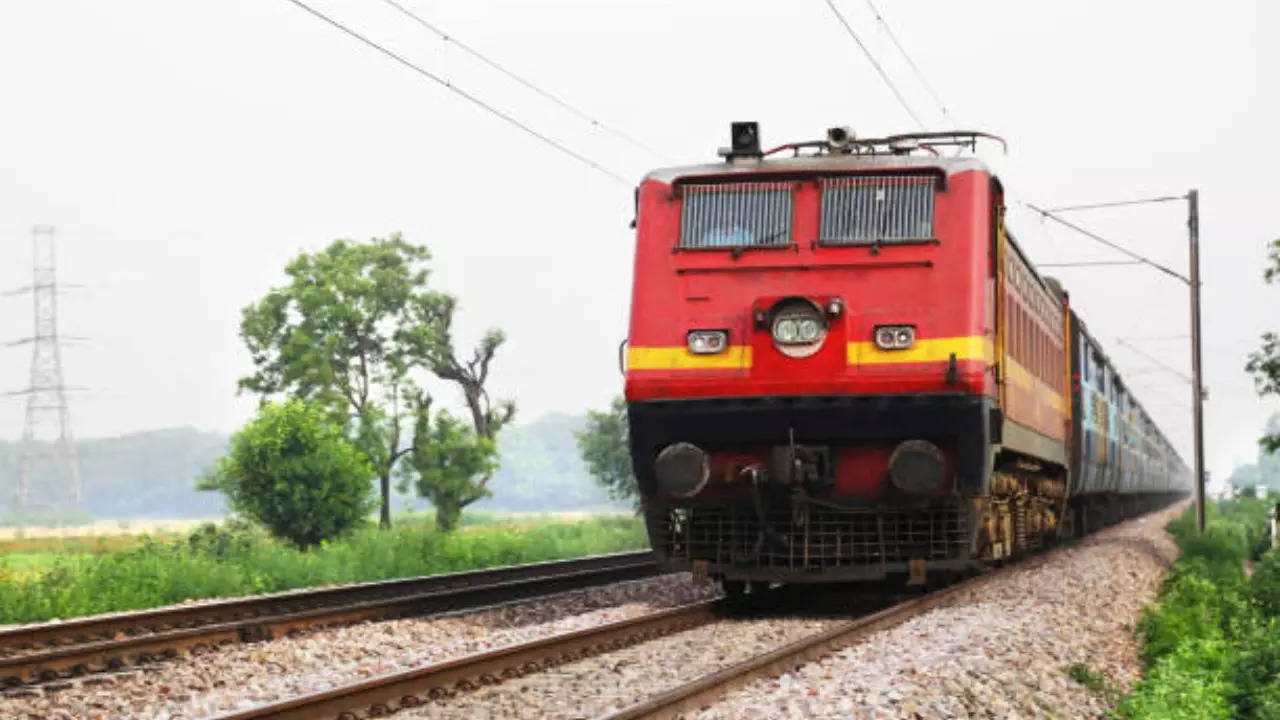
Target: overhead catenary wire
[(906, 56), (1153, 359), (1111, 244), (530, 85), (874, 63), (1088, 263), (459, 91), (1120, 203)]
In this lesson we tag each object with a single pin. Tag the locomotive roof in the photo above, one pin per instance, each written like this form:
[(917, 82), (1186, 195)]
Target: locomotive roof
[(820, 163)]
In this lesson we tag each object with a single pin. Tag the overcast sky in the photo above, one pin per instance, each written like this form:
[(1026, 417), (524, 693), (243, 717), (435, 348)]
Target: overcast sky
[(186, 150)]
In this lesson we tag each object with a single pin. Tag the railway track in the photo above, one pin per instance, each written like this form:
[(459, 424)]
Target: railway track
[(49, 651), (387, 694), (705, 690)]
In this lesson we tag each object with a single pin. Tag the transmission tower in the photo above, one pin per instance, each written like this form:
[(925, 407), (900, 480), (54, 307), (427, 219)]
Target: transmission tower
[(46, 436)]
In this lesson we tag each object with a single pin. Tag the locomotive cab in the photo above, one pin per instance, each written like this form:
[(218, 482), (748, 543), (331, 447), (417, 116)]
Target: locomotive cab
[(810, 365)]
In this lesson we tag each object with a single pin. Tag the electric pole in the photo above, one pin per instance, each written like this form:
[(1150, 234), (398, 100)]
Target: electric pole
[(1197, 392), (46, 393)]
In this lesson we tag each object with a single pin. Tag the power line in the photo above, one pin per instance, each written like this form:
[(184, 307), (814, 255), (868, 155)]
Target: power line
[(447, 37), (1093, 206), (1088, 263), (454, 88), (1114, 246), (914, 68), (865, 51), (1157, 361)]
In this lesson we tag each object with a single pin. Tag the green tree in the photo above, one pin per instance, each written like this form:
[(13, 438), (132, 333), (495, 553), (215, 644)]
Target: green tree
[(605, 448), (448, 492), (452, 463), (346, 332), (293, 470), (1265, 363), (487, 416)]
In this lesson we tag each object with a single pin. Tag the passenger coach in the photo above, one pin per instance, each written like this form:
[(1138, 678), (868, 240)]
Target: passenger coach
[(840, 366)]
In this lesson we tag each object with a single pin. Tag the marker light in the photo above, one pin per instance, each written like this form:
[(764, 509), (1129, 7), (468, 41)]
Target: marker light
[(895, 337), (708, 342)]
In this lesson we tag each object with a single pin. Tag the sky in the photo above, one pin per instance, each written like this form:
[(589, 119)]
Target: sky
[(185, 151)]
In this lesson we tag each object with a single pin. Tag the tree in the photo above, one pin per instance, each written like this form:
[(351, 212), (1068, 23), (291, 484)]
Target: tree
[(605, 448), (1266, 471), (1265, 363), (293, 470), (452, 462), (448, 491), (346, 332)]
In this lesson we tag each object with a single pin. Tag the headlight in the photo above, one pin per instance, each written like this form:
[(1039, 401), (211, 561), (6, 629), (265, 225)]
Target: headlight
[(785, 331), (895, 337), (708, 342), (797, 330), (808, 330), (799, 327)]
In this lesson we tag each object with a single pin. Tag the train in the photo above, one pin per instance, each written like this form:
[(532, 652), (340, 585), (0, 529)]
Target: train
[(841, 367)]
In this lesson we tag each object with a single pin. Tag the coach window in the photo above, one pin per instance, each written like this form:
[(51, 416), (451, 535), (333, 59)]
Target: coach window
[(1039, 348), (1033, 335)]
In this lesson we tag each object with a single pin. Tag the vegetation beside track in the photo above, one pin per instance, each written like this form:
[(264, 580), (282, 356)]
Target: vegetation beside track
[(231, 560), (1211, 644)]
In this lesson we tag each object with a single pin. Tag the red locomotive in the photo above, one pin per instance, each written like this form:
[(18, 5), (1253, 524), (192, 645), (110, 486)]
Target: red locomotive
[(840, 366)]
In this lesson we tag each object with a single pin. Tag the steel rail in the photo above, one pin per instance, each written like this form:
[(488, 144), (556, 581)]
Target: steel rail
[(385, 694), (44, 652)]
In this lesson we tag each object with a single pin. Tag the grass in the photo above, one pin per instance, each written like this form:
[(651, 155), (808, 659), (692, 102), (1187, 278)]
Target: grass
[(1211, 644), (223, 561), (1095, 682)]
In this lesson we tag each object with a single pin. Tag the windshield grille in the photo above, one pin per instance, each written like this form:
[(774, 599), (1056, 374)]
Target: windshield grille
[(870, 210), (736, 215)]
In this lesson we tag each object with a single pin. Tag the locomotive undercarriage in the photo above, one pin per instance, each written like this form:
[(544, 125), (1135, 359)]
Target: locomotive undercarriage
[(1022, 509), (813, 543), (786, 530)]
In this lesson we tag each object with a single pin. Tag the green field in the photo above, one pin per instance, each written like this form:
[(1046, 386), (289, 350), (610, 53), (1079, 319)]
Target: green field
[(66, 577)]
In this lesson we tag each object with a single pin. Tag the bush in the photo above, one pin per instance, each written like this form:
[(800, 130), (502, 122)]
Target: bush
[(1211, 644), (293, 470), (1188, 683), (234, 538), (1264, 586)]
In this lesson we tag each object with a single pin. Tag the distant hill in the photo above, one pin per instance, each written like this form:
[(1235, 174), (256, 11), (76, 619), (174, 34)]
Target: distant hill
[(146, 474), (542, 470), (152, 474)]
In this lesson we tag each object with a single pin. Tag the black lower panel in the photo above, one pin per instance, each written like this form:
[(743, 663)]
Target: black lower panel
[(821, 544), (825, 420)]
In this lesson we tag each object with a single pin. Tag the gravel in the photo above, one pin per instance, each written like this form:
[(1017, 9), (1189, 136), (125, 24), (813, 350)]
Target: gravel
[(599, 684), (1002, 652), (246, 675)]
